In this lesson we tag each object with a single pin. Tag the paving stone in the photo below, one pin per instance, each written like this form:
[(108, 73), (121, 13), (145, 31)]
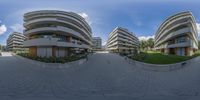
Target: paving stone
[(103, 77)]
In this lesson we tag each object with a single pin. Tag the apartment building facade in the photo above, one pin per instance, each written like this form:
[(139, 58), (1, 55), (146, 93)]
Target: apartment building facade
[(122, 41), (177, 35), (97, 43), (53, 33), (15, 41)]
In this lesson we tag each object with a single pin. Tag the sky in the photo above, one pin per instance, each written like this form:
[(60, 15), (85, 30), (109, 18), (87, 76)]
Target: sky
[(142, 17)]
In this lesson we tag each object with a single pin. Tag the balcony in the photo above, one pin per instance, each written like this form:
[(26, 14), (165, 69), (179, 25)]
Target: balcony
[(175, 34), (57, 28), (52, 42), (183, 44), (56, 20)]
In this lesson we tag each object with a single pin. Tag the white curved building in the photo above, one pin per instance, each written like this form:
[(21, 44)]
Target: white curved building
[(53, 33), (15, 41), (122, 41), (177, 35)]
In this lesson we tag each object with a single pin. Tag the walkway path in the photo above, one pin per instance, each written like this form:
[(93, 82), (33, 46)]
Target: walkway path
[(104, 77), (4, 54)]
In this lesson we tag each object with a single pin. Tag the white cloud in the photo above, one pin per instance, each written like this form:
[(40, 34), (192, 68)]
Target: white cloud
[(17, 27), (198, 28), (86, 17), (3, 29), (104, 43), (145, 37)]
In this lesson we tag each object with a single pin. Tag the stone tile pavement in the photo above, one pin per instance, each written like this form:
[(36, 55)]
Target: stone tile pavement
[(103, 77)]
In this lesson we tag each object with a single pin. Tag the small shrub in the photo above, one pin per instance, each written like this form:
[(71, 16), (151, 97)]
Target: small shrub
[(139, 56), (53, 59)]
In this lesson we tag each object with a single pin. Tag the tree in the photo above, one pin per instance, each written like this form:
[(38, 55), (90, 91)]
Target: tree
[(143, 44), (147, 44), (150, 43)]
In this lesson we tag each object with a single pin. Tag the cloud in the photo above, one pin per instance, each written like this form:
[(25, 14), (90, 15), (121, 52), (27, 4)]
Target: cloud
[(198, 28), (104, 43), (3, 29), (145, 37), (17, 27), (86, 17)]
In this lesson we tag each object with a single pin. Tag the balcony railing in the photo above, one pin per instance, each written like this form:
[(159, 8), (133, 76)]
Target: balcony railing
[(52, 42), (60, 28), (182, 44)]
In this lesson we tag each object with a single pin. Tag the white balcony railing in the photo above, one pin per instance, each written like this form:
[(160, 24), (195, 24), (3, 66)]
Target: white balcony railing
[(52, 42), (183, 44), (174, 34), (58, 28)]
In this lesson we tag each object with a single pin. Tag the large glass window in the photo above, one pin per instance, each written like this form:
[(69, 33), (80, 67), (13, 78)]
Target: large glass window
[(181, 40)]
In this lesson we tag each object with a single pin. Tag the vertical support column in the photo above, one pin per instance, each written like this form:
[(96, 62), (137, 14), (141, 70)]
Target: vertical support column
[(68, 52), (186, 51), (176, 50), (33, 51), (166, 51), (54, 51)]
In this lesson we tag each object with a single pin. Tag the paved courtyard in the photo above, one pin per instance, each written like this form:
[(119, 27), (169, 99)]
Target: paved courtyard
[(103, 77)]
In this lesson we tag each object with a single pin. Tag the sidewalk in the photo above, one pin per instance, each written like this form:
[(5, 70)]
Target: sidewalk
[(6, 54)]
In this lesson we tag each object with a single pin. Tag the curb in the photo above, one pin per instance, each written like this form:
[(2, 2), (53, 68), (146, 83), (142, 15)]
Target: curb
[(160, 67), (52, 65)]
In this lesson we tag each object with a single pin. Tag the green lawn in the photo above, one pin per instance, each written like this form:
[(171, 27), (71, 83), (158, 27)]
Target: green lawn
[(158, 58)]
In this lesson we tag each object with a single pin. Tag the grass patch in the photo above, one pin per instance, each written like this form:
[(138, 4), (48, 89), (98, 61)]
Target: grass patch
[(159, 58)]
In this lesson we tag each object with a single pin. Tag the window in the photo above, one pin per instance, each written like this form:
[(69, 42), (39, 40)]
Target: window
[(181, 40)]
